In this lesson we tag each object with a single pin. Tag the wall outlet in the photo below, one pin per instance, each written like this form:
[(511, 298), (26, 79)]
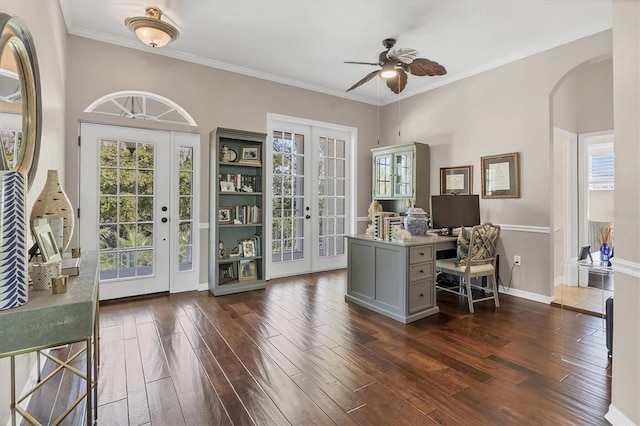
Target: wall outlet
[(516, 261)]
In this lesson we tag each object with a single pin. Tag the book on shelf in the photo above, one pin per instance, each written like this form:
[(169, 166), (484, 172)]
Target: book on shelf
[(242, 183), (70, 266)]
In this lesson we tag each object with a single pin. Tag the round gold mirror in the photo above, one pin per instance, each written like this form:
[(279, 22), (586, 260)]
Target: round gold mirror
[(19, 98)]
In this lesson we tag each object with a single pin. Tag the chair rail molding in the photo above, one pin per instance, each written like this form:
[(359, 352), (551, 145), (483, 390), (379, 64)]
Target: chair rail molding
[(626, 267), (526, 228)]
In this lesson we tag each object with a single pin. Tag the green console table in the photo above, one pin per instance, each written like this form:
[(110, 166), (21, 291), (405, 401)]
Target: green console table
[(49, 320), (395, 279)]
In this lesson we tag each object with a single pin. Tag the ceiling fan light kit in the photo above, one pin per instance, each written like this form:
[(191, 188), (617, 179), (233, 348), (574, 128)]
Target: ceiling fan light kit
[(151, 30), (388, 70), (394, 65)]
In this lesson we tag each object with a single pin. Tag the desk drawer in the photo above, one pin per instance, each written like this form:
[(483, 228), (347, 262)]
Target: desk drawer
[(420, 271), (420, 296), (419, 254)]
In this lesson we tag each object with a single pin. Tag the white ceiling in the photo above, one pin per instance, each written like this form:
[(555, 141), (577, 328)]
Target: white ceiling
[(304, 42)]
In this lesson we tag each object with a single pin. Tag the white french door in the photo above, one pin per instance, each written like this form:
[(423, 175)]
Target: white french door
[(137, 208), (309, 210)]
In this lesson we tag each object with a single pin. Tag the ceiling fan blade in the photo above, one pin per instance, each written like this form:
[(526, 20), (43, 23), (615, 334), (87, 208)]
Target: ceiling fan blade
[(397, 83), (361, 63), (404, 55), (422, 66), (364, 80)]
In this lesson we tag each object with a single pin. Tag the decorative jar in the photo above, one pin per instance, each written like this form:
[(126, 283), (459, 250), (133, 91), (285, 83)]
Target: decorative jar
[(605, 254), (416, 221)]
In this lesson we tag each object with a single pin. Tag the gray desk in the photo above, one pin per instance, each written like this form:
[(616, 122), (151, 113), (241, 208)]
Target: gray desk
[(48, 320), (395, 279)]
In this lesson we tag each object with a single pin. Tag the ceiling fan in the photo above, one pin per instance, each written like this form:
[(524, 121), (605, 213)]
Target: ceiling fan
[(394, 64)]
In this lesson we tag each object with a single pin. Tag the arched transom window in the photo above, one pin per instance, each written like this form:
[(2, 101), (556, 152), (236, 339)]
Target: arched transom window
[(141, 106)]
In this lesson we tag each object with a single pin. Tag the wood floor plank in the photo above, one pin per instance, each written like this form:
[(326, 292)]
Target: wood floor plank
[(112, 374), (382, 404), (322, 377), (231, 402), (200, 404), (164, 317), (296, 406), (154, 363), (163, 403), (114, 414), (138, 405), (258, 404), (190, 331)]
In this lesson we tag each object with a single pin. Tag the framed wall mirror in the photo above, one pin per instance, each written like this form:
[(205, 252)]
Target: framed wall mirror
[(20, 99)]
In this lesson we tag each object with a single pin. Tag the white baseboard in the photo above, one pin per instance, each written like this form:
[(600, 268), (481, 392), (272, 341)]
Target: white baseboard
[(203, 286), (616, 417), (528, 295)]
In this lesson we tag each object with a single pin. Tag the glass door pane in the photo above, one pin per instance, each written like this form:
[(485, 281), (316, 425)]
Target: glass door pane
[(288, 197), (382, 173), (403, 175), (185, 209), (126, 182), (331, 197)]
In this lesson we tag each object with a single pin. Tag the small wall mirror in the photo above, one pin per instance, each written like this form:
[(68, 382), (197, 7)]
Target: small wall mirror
[(20, 99)]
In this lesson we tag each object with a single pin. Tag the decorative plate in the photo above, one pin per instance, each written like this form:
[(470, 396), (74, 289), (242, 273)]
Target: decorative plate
[(233, 156)]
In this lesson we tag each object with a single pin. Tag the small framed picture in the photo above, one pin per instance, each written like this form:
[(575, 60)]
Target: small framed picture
[(227, 186), (456, 180), (226, 273), (47, 243), (224, 215), (247, 270), (248, 248), (501, 176), (250, 154)]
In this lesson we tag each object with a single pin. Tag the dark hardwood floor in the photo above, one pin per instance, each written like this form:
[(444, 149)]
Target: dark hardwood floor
[(297, 353)]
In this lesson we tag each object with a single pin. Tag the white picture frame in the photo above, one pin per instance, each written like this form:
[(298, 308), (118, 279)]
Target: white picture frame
[(47, 243)]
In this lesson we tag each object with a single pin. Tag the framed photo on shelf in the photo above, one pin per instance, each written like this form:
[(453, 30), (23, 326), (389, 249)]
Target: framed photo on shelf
[(226, 273), (250, 154), (224, 215), (248, 248), (47, 243), (227, 186), (456, 180), (501, 176), (247, 270)]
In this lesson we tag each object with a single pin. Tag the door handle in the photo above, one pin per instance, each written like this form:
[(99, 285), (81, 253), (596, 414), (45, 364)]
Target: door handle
[(307, 217), (164, 220)]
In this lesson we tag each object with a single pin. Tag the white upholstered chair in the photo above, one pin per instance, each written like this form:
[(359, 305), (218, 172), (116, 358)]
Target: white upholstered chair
[(480, 262)]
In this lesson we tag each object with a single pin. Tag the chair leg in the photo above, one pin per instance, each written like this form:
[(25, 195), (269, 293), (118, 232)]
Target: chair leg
[(495, 290), (467, 281)]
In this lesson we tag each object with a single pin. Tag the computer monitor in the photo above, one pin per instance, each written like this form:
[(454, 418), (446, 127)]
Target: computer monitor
[(454, 211)]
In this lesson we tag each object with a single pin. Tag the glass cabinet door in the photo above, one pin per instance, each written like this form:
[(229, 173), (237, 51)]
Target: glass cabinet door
[(382, 175), (403, 184)]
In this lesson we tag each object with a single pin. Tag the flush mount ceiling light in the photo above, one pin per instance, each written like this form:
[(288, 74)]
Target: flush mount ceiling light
[(150, 29)]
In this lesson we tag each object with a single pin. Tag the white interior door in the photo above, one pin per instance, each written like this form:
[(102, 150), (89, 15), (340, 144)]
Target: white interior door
[(308, 211), (125, 210)]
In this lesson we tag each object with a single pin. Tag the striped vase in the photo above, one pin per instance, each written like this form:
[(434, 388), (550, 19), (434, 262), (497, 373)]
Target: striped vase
[(13, 240)]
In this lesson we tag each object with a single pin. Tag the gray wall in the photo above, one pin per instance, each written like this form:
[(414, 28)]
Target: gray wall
[(625, 386)]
